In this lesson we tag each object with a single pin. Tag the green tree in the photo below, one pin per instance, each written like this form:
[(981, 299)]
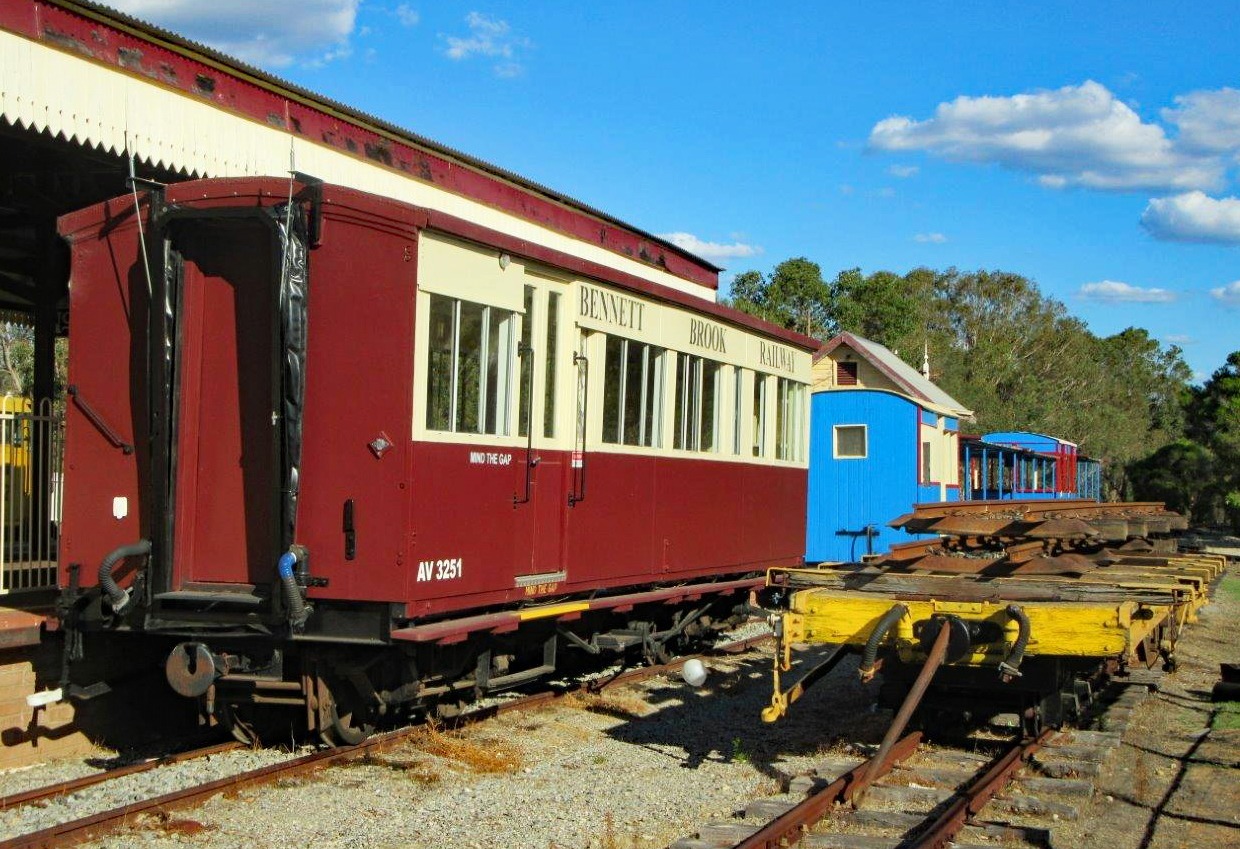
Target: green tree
[(1213, 413), (16, 358), (1182, 475), (798, 294), (882, 306), (794, 296), (749, 294)]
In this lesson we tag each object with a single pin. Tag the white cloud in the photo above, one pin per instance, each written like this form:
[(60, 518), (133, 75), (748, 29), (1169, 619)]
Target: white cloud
[(930, 238), (903, 171), (715, 252), (1193, 217), (261, 33), (1180, 339), (407, 15), (1115, 292), (491, 37), (1073, 136), (1208, 121), (1229, 295)]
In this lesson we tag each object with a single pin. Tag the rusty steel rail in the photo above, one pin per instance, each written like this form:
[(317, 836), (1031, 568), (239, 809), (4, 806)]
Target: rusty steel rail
[(61, 788), (105, 822), (791, 826), (934, 659), (948, 824)]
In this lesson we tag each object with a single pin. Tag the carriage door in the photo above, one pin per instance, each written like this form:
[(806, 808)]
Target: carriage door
[(542, 492), (226, 463)]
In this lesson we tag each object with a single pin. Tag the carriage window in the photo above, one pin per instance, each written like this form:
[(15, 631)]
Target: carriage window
[(759, 414), (553, 329), (527, 363), (697, 411), (850, 442), (632, 393), (789, 400), (736, 409), (470, 366)]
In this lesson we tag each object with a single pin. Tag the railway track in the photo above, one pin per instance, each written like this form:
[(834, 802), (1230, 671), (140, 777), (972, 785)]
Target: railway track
[(104, 822), (73, 785), (929, 796)]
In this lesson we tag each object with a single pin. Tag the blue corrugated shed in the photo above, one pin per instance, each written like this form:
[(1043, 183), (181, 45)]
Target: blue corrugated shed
[(847, 495)]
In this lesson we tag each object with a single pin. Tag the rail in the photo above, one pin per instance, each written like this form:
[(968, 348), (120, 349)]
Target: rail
[(31, 482)]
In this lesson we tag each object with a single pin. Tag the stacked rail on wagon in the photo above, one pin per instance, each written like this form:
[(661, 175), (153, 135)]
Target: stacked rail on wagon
[(1041, 600)]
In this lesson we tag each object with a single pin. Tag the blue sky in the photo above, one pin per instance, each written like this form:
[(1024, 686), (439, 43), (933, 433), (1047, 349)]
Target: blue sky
[(1093, 149)]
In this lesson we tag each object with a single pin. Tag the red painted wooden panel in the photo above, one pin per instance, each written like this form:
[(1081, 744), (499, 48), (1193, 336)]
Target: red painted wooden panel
[(108, 309), (227, 465), (359, 384)]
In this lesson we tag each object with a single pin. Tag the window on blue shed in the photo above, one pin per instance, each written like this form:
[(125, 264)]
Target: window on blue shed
[(851, 442), (925, 463)]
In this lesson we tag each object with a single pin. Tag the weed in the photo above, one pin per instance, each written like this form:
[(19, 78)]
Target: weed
[(1227, 717), (490, 756), (618, 704), (739, 755), (609, 833), (1230, 587)]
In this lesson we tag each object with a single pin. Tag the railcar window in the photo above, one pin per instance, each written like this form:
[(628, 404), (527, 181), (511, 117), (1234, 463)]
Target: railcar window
[(632, 393), (527, 364), (442, 343), (850, 441), (697, 396), (926, 476), (737, 388), (553, 328), (708, 413), (789, 418), (759, 415), (469, 371)]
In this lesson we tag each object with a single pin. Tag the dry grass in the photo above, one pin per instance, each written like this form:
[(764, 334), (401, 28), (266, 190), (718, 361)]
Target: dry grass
[(490, 756), (620, 704)]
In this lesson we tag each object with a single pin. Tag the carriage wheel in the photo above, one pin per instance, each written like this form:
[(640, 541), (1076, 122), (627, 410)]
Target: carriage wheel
[(352, 719)]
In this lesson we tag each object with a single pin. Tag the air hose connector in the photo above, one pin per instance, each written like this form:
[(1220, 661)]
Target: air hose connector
[(1009, 668), (870, 653), (119, 598), (297, 609)]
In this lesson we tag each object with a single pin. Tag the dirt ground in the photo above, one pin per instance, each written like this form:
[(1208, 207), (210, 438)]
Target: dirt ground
[(1175, 780)]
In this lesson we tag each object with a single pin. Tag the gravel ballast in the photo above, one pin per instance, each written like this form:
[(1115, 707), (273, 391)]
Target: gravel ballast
[(636, 766)]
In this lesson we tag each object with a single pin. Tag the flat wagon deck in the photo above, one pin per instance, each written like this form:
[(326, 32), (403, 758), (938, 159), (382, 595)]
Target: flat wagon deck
[(1039, 601)]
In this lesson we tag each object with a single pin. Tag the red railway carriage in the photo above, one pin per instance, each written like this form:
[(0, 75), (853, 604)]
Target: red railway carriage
[(346, 455)]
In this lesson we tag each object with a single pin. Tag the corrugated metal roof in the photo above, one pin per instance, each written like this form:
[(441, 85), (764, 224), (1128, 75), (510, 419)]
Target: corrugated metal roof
[(239, 68), (63, 94), (899, 372)]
